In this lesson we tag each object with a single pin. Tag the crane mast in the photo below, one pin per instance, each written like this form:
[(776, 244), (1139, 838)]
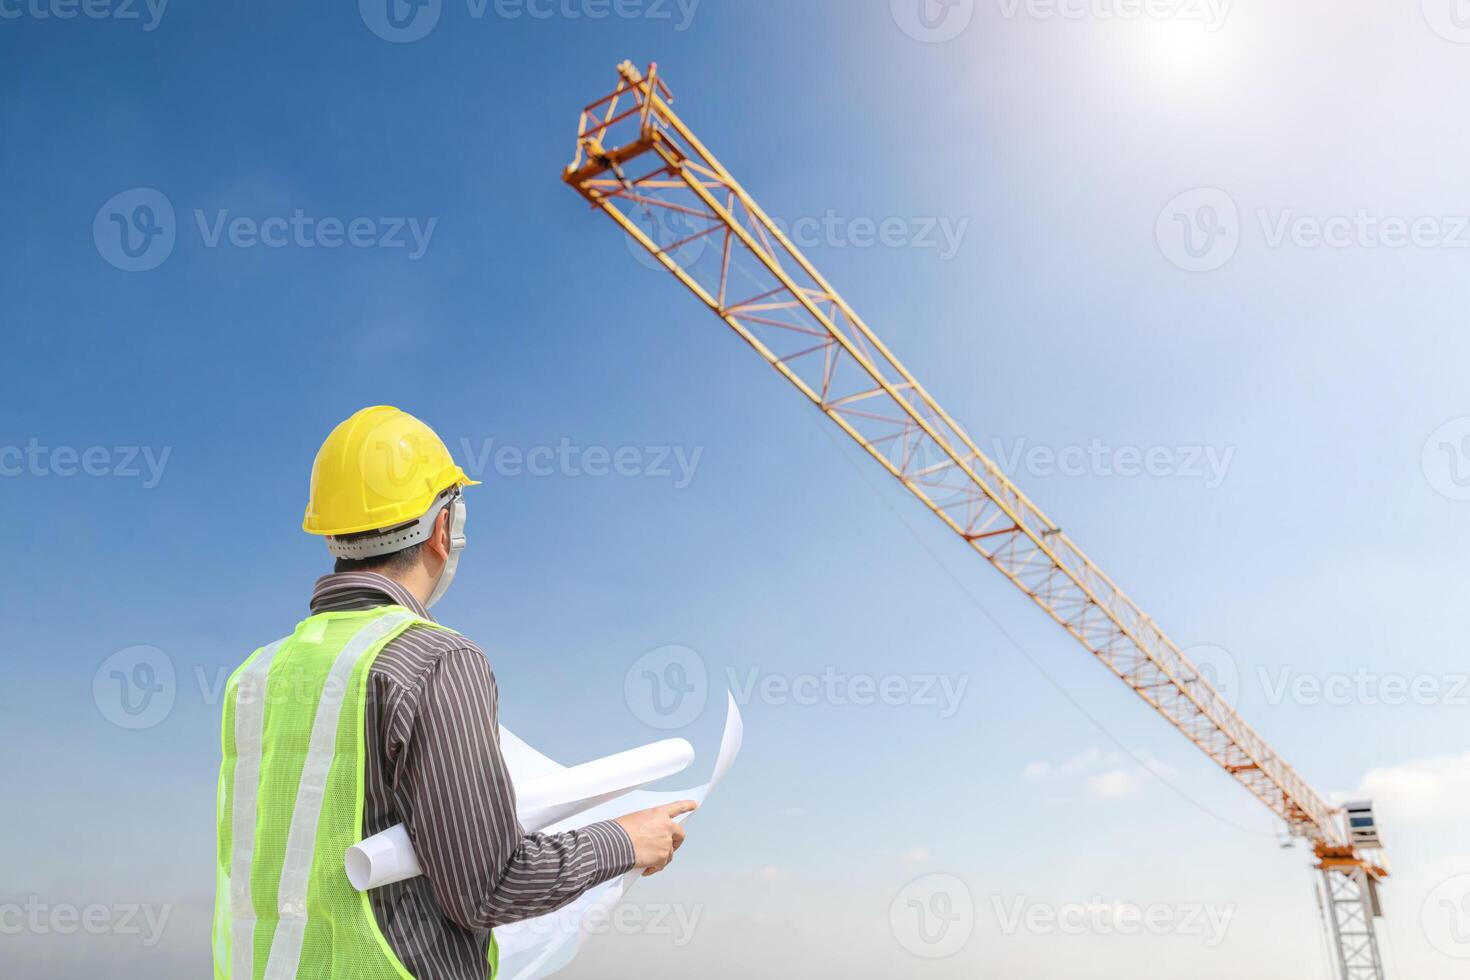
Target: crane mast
[(638, 163)]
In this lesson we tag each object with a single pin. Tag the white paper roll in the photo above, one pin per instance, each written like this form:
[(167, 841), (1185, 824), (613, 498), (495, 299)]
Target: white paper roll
[(382, 859), (534, 948), (541, 801)]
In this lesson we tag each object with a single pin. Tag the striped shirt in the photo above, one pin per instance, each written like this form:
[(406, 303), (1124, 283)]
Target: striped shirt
[(434, 763)]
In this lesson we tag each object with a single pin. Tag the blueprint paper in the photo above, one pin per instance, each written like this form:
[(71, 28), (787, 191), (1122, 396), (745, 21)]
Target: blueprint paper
[(546, 794), (538, 947)]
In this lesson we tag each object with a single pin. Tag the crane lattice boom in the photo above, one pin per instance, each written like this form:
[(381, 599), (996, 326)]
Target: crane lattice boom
[(637, 161)]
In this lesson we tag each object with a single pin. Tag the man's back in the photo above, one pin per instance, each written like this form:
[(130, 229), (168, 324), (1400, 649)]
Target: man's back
[(433, 762), (394, 721)]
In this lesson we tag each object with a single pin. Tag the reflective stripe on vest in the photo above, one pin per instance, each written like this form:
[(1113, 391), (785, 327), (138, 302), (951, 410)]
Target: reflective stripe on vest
[(301, 840), (293, 732), (249, 724)]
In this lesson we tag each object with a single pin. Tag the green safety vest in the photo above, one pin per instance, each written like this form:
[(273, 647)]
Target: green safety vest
[(291, 802)]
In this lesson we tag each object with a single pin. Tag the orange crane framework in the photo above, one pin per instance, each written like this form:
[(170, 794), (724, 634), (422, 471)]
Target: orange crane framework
[(638, 163)]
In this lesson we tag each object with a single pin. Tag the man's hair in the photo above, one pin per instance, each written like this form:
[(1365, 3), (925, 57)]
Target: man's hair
[(397, 561)]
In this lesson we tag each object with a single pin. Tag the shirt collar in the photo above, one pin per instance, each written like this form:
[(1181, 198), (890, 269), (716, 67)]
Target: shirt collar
[(356, 591)]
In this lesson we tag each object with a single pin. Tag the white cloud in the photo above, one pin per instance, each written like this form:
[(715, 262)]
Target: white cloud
[(1084, 760), (1114, 783), (1435, 788), (915, 855), (1037, 770), (1107, 776)]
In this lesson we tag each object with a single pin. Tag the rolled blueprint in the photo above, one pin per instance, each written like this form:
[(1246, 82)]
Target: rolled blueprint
[(546, 794), (536, 948)]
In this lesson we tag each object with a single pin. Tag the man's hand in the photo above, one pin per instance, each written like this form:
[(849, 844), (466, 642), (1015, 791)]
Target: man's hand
[(655, 835)]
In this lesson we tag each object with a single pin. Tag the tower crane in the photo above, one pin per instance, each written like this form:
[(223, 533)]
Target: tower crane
[(641, 165)]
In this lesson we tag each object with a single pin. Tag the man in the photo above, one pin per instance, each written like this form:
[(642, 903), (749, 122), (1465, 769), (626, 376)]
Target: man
[(371, 714)]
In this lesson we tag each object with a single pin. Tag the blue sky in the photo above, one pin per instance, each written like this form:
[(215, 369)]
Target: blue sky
[(1327, 380)]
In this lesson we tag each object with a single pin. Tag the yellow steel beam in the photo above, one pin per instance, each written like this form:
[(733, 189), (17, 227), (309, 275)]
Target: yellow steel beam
[(875, 400)]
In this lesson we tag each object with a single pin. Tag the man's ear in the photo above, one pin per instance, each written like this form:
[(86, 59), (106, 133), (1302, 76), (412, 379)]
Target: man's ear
[(438, 541)]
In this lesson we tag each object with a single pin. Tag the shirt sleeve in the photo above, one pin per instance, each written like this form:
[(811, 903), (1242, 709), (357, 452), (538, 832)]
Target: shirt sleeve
[(455, 794)]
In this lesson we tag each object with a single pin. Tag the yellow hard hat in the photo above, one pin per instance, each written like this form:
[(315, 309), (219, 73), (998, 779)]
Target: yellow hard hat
[(380, 468)]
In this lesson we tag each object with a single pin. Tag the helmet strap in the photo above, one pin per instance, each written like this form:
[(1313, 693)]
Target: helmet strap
[(456, 547)]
